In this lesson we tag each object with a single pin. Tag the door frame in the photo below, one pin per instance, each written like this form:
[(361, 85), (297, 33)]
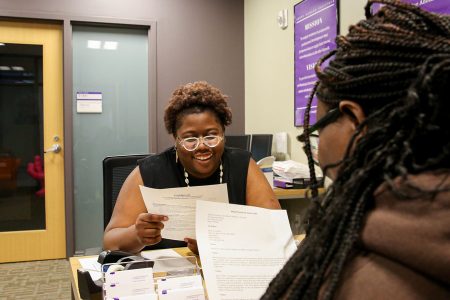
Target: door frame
[(67, 22)]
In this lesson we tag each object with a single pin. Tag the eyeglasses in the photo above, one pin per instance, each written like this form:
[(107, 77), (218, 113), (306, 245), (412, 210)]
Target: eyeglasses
[(329, 117), (192, 143), (314, 144)]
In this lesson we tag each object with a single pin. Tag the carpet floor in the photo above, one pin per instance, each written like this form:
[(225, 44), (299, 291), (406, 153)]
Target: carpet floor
[(49, 279)]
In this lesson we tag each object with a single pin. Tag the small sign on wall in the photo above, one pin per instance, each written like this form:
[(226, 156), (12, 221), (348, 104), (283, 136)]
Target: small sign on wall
[(89, 102)]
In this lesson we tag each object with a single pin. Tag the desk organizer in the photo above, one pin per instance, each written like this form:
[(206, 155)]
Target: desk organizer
[(137, 277)]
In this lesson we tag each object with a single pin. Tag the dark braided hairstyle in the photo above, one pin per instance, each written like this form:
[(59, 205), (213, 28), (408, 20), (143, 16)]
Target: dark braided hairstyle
[(396, 66)]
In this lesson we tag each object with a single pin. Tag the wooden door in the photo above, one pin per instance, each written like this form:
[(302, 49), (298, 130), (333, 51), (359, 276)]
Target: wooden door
[(32, 216)]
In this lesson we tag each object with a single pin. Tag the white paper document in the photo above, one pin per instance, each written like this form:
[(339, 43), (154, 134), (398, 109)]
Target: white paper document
[(169, 261), (159, 254), (179, 205), (90, 264), (242, 248)]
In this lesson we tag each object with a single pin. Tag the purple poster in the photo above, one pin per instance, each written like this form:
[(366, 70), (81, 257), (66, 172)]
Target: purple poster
[(435, 6), (315, 30)]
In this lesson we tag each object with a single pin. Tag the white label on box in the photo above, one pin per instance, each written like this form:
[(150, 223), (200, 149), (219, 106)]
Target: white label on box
[(129, 283), (139, 297), (135, 276), (120, 290), (194, 293), (182, 282)]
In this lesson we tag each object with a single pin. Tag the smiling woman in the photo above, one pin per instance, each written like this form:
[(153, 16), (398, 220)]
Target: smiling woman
[(196, 117)]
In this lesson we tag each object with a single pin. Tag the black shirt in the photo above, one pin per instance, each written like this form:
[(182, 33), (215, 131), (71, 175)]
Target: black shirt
[(161, 171)]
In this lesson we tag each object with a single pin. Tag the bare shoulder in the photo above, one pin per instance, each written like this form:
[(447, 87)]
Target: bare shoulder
[(129, 202), (259, 191)]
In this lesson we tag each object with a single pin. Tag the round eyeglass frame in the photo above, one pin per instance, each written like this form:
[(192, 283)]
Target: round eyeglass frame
[(199, 140)]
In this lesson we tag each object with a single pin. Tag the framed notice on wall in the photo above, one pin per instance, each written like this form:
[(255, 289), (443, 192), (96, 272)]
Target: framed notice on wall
[(435, 6), (315, 30)]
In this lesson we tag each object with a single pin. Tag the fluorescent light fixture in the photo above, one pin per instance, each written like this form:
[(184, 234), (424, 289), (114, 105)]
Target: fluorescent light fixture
[(5, 68), (110, 45), (2, 44), (17, 68), (94, 44)]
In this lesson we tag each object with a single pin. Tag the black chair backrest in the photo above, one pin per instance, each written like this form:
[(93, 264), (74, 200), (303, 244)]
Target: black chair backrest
[(261, 146), (238, 141), (115, 170)]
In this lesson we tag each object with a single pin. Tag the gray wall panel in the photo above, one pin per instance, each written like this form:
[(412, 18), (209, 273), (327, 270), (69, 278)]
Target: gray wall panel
[(196, 40)]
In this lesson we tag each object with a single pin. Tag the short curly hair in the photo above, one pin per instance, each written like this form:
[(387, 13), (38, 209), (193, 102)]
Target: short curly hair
[(196, 97)]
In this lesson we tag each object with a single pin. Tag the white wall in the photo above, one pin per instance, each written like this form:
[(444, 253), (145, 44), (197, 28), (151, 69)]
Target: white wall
[(269, 67), (351, 11)]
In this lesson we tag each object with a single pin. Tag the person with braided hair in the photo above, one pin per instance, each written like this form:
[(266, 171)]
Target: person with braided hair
[(382, 229)]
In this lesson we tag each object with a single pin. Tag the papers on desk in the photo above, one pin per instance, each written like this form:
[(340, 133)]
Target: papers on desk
[(142, 284), (292, 174), (91, 265), (179, 205), (95, 269), (164, 261), (290, 169), (242, 248), (159, 254)]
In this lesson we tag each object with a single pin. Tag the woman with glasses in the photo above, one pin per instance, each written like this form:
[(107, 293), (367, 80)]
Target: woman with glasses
[(196, 117), (382, 230)]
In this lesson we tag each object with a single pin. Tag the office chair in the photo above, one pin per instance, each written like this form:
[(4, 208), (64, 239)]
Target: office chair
[(261, 146), (238, 141), (115, 171)]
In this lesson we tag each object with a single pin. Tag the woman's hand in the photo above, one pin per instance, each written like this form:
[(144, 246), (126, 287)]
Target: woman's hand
[(148, 228), (192, 244)]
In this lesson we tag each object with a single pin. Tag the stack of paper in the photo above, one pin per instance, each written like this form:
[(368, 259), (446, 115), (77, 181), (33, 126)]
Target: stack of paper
[(292, 174), (290, 169), (242, 248)]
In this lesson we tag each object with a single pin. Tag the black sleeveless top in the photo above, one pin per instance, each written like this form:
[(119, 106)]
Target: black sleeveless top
[(160, 171)]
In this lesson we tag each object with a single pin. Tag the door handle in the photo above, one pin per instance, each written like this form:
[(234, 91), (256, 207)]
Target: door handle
[(55, 148)]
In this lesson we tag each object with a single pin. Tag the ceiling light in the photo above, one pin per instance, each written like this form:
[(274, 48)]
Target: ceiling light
[(17, 68), (94, 44), (110, 45), (5, 68)]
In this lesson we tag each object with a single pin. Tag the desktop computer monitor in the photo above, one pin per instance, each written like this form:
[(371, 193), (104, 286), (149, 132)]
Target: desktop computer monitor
[(238, 141), (261, 146)]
